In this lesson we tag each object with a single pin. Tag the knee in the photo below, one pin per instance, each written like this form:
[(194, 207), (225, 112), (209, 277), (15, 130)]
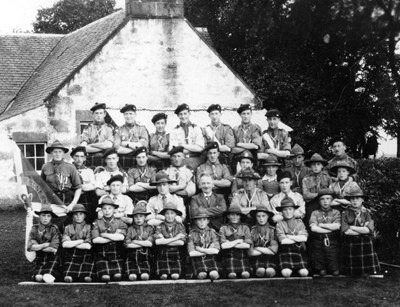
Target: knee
[(270, 272), (260, 272), (286, 273), (303, 272)]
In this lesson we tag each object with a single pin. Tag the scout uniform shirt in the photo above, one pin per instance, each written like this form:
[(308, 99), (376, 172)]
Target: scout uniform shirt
[(296, 197), (108, 226), (132, 133), (141, 174), (362, 218), (255, 198), (104, 176), (61, 176), (275, 139), (169, 230), (77, 231), (250, 133), (313, 183), (182, 175), (179, 138), (49, 234), (205, 238), (230, 232), (222, 134), (139, 232), (296, 228), (97, 133), (341, 189), (320, 216), (298, 173), (264, 236), (157, 203), (159, 141), (217, 170)]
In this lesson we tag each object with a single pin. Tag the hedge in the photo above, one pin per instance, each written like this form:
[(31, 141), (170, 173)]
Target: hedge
[(380, 179)]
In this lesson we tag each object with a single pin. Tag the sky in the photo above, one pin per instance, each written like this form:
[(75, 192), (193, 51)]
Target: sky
[(20, 14)]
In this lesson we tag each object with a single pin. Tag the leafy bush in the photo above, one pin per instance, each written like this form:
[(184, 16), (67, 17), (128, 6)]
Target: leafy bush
[(380, 179)]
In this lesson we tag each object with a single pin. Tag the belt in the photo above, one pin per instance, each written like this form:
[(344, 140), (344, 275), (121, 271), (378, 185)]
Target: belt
[(322, 236)]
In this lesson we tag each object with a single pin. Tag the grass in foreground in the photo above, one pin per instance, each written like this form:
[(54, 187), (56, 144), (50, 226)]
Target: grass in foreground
[(318, 292)]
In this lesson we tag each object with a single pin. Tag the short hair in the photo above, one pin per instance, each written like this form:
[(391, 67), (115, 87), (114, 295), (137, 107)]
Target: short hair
[(206, 175)]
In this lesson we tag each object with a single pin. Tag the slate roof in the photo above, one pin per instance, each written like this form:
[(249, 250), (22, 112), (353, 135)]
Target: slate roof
[(20, 56), (71, 53)]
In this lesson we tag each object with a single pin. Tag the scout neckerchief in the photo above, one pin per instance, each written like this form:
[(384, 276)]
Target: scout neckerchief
[(297, 174), (341, 188), (160, 136), (250, 200), (291, 223), (131, 132), (78, 230), (61, 180), (170, 229), (263, 234), (42, 232), (98, 130), (325, 216), (142, 173), (246, 128), (235, 230), (185, 127), (214, 168), (107, 224)]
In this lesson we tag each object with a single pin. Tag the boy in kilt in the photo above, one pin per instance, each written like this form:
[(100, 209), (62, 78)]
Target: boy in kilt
[(359, 256), (44, 239), (292, 235), (325, 231), (264, 246), (170, 236), (78, 261), (235, 241), (108, 233), (203, 246), (138, 241)]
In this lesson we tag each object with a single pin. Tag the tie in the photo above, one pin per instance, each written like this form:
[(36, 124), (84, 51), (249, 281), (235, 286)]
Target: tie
[(164, 200)]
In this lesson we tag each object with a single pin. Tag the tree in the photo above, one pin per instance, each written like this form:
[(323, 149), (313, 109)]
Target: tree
[(66, 16)]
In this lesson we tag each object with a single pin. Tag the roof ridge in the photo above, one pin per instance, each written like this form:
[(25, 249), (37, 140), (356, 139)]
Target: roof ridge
[(31, 34)]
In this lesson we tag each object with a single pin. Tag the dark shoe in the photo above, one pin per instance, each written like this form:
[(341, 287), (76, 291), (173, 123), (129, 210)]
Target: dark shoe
[(322, 273), (336, 273)]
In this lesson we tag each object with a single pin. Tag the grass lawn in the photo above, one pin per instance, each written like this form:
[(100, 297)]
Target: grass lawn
[(318, 292)]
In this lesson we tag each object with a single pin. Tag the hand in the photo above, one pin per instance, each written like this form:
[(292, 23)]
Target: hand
[(124, 143), (70, 207), (100, 214), (277, 218), (180, 236), (106, 188)]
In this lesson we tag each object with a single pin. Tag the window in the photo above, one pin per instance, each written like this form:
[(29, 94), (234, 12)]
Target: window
[(34, 153), (83, 125)]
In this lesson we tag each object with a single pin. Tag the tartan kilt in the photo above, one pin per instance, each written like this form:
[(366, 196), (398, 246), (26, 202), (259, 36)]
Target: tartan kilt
[(108, 259), (235, 260), (138, 261), (94, 160), (127, 161), (78, 263), (359, 256), (47, 263), (169, 261), (292, 257), (263, 261), (205, 264)]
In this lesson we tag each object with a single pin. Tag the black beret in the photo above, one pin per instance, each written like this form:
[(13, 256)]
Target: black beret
[(98, 106), (284, 174), (273, 113), (243, 107), (181, 107), (115, 178), (109, 152), (128, 107), (175, 149), (211, 145), (140, 150), (159, 116), (214, 107), (77, 149)]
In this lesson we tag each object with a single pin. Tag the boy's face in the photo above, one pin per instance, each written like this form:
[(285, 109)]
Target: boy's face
[(141, 159), (249, 184), (202, 222), (170, 216), (246, 116), (108, 210), (163, 188), (212, 155), (298, 160), (130, 117), (178, 159), (356, 202), (285, 184), (316, 167), (246, 163), (160, 125), (234, 218), (79, 158), (58, 154), (271, 170), (99, 115), (184, 116), (112, 160), (215, 116), (262, 218), (206, 184), (79, 217), (288, 212), (273, 122), (338, 148), (325, 201), (45, 218), (115, 187), (342, 173), (139, 219)]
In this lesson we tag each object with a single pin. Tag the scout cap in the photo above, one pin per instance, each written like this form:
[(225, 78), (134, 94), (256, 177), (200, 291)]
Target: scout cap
[(235, 209), (109, 152), (181, 107), (315, 158), (159, 116), (284, 174), (140, 150), (355, 192), (271, 160), (211, 145), (56, 145), (273, 113), (342, 164), (243, 107), (214, 107), (78, 149), (98, 106), (286, 203), (201, 213), (261, 208), (248, 174), (140, 208), (170, 206), (128, 107), (46, 208), (297, 150), (337, 139), (246, 155), (175, 150), (325, 191), (106, 200), (115, 178), (78, 208), (161, 177)]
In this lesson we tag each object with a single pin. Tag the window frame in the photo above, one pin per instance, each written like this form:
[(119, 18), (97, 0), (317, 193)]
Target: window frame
[(35, 157)]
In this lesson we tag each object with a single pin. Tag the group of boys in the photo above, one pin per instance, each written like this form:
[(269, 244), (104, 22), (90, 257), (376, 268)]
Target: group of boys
[(145, 195)]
